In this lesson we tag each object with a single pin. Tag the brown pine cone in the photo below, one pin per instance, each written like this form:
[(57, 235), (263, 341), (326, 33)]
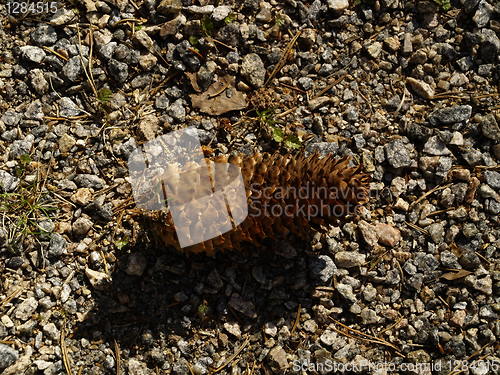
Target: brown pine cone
[(284, 194)]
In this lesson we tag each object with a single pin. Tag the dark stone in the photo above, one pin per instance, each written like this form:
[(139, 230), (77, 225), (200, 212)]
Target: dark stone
[(450, 115), (8, 356), (469, 260), (118, 70), (230, 34)]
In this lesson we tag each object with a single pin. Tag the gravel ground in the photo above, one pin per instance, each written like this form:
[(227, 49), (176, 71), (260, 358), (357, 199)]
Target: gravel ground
[(408, 89)]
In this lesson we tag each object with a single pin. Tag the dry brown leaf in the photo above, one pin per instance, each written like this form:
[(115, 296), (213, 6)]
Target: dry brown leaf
[(455, 275), (221, 97)]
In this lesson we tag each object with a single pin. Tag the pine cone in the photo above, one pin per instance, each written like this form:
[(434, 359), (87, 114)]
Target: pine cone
[(284, 194)]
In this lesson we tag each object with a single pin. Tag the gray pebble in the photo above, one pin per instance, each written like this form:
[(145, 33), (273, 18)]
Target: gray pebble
[(305, 83), (68, 108), (323, 148), (469, 260), (253, 70), (118, 70), (492, 178), (486, 312), (436, 230), (57, 245), (473, 157), (492, 206), (450, 115), (11, 118), (34, 111), (26, 309), (322, 268), (349, 259), (81, 226), (162, 102), (177, 110), (72, 70), (100, 210), (44, 35), (89, 181), (21, 147), (109, 362), (106, 51), (480, 283), (465, 63), (136, 265), (449, 260), (483, 14), (369, 316), (490, 45), (51, 331), (38, 81), (33, 54), (346, 291), (489, 127), (204, 136), (338, 5), (8, 183), (369, 293), (434, 146), (8, 356), (221, 12), (416, 281), (126, 148), (351, 114), (397, 154), (426, 262)]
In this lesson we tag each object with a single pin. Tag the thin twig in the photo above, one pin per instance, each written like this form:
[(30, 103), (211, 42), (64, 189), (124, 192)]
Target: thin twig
[(438, 212), (437, 188), (444, 302), (416, 227), (210, 39), (217, 93), (288, 111), (55, 53), (391, 326), (482, 96), (284, 58), (64, 351), (89, 77), (482, 257), (191, 371), (118, 359), (10, 297), (405, 91), (135, 20), (293, 88), (296, 322), (328, 87), (363, 336), (62, 118), (231, 359)]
